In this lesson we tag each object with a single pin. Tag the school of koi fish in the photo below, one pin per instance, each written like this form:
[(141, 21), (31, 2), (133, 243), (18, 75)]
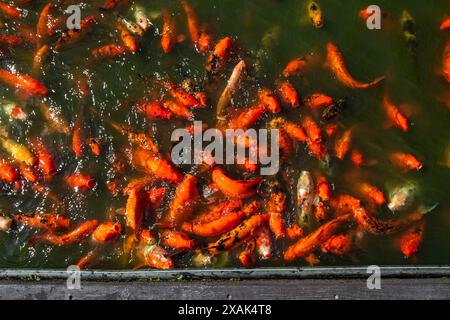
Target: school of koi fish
[(163, 215)]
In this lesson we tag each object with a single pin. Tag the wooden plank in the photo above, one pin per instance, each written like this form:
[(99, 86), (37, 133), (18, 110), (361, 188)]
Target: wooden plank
[(436, 288)]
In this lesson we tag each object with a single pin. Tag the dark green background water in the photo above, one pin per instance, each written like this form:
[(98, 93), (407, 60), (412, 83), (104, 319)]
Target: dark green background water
[(368, 53)]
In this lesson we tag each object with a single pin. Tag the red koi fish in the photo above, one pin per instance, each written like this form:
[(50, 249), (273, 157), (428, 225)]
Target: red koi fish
[(155, 165), (342, 145), (268, 99), (49, 221), (155, 110), (176, 240), (42, 27), (323, 188), (107, 232), (193, 27), (239, 189), (445, 24), (10, 40), (128, 40), (312, 130), (7, 172), (246, 256), (134, 211), (245, 231), (306, 245), (446, 62), (295, 67), (293, 130), (294, 231), (28, 173), (72, 237), (337, 66), (248, 117), (411, 240), (394, 115), (372, 193), (357, 158), (155, 197), (179, 110), (10, 10), (45, 158), (339, 244), (218, 57), (183, 203), (318, 101), (405, 160), (95, 146), (79, 180), (23, 82), (113, 4), (181, 95), (108, 51), (73, 36), (276, 208), (288, 94), (169, 33)]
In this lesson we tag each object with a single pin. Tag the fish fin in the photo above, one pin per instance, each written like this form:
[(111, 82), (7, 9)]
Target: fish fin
[(376, 81), (424, 209)]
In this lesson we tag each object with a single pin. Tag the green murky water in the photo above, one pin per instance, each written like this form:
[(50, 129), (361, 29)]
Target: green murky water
[(116, 84)]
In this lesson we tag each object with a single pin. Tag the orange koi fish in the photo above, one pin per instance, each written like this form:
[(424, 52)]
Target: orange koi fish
[(176, 240), (239, 189), (315, 14), (446, 62), (357, 158), (77, 137), (293, 130), (54, 119), (372, 193), (337, 66), (42, 27), (323, 188), (307, 244), (288, 94), (394, 115), (7, 172), (318, 101), (192, 22), (181, 95), (128, 40), (276, 208), (179, 110), (134, 211), (294, 231), (342, 145), (95, 146), (331, 129), (72, 237), (155, 165), (73, 36), (107, 232), (28, 173), (221, 219), (205, 42), (45, 158), (247, 118), (154, 255), (236, 237), (10, 10), (411, 240), (23, 82), (218, 57), (155, 197), (320, 212), (339, 244), (39, 57), (295, 67), (50, 221), (183, 203), (405, 160), (445, 24), (10, 40), (155, 110), (246, 256), (79, 180), (268, 99), (169, 33), (113, 4), (88, 259), (264, 244), (108, 51), (312, 130)]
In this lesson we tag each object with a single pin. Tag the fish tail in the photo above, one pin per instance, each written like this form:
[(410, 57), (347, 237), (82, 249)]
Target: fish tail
[(376, 81), (423, 209)]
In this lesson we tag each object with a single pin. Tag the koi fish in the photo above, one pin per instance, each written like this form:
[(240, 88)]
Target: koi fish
[(357, 158), (293, 130), (305, 196), (128, 40), (179, 110), (294, 231), (5, 223), (169, 33), (246, 256), (8, 172), (108, 51), (50, 221), (154, 255), (176, 240), (23, 82), (14, 110), (229, 90), (72, 237), (405, 160), (42, 27), (394, 115), (268, 99), (155, 110), (276, 208), (342, 145), (445, 24), (239, 189), (113, 4), (79, 180), (72, 36), (155, 165), (318, 101), (309, 243), (236, 237), (141, 18), (204, 42), (288, 94), (17, 151), (45, 158), (372, 193), (181, 95), (409, 31), (28, 173), (39, 57), (315, 14), (333, 110), (336, 63), (134, 211), (155, 197), (339, 244), (77, 139), (95, 146), (247, 118), (54, 119), (312, 129), (295, 67), (107, 232), (323, 188), (320, 211), (411, 240), (218, 57), (10, 40), (402, 197), (11, 11), (264, 244), (446, 62), (132, 27), (193, 27), (183, 203)]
